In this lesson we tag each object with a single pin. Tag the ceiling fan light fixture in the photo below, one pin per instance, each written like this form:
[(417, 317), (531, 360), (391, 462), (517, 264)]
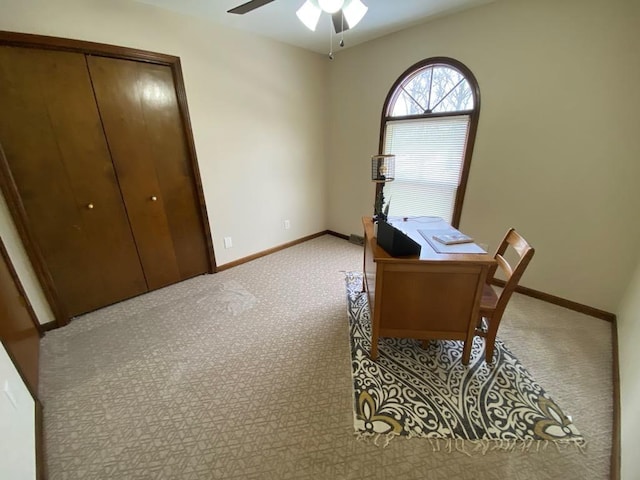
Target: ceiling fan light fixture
[(353, 12), (309, 14), (331, 6)]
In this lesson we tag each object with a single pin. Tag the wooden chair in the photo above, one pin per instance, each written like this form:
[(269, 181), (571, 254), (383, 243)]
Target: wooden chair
[(492, 305)]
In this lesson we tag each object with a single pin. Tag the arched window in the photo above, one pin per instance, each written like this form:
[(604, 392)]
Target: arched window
[(429, 123)]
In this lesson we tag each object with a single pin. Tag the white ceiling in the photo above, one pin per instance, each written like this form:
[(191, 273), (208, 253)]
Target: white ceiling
[(278, 19)]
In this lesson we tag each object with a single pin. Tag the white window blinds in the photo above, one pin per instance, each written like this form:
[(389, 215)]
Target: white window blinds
[(429, 159)]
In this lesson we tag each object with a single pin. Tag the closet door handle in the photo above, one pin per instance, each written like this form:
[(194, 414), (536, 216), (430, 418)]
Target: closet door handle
[(154, 198), (90, 206)]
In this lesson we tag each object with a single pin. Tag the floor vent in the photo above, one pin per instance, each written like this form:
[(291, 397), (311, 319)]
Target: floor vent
[(357, 239)]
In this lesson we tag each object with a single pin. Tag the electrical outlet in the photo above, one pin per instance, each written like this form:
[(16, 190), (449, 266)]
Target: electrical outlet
[(287, 224), (227, 242)]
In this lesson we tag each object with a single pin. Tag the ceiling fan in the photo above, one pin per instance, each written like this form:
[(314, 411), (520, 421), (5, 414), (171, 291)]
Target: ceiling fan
[(344, 13)]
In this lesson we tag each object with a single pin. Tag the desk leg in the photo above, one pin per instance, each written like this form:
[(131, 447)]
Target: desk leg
[(374, 348), (466, 353), (466, 350), (375, 335), (364, 263)]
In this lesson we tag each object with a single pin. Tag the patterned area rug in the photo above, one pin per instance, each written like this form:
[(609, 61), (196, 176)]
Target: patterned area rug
[(414, 392)]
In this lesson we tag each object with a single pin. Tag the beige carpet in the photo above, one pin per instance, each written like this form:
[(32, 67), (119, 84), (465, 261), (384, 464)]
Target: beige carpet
[(246, 375)]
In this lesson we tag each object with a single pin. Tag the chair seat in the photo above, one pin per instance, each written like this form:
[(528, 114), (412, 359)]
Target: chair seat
[(489, 299)]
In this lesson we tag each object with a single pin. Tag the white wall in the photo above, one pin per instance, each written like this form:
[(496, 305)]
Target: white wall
[(629, 357), (257, 109), (557, 147), (17, 424)]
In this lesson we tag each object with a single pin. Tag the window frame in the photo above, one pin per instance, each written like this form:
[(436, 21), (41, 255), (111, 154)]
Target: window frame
[(474, 116)]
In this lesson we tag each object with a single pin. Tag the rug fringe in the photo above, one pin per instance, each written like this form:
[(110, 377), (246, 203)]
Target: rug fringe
[(473, 447)]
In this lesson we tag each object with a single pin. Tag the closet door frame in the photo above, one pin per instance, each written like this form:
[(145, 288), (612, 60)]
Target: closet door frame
[(39, 418), (8, 185)]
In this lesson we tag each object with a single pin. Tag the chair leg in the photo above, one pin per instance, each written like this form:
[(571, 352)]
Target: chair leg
[(425, 344), (490, 341)]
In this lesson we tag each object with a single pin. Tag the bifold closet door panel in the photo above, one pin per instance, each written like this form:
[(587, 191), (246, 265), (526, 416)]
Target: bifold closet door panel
[(55, 148), (143, 126)]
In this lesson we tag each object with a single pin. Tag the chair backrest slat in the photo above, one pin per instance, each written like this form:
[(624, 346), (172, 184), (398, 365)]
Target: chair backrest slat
[(492, 311), (518, 243), (504, 266), (512, 273)]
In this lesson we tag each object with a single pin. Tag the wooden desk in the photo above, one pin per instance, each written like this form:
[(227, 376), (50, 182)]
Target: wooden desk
[(430, 296)]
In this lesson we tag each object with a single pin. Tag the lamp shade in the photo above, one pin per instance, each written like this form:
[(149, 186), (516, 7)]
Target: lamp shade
[(353, 12), (309, 14), (383, 168), (330, 6)]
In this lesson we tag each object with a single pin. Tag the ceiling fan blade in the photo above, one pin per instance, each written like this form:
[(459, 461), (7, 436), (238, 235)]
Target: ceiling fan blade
[(339, 22), (247, 7)]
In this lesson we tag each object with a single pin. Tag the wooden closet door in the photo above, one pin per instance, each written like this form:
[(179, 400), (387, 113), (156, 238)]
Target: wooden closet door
[(144, 129), (55, 148), (18, 329)]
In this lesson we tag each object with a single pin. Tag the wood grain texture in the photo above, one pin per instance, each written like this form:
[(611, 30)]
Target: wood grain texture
[(512, 256), (29, 40), (426, 296), (193, 157), (138, 106), (58, 157), (18, 324), (10, 189), (16, 208)]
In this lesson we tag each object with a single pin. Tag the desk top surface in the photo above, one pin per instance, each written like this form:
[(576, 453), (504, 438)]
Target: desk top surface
[(410, 227)]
